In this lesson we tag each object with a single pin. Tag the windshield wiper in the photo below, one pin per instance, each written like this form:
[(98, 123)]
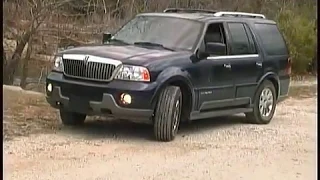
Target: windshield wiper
[(152, 44), (118, 40)]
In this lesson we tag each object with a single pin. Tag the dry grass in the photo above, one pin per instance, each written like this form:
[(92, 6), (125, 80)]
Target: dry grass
[(300, 92), (26, 113)]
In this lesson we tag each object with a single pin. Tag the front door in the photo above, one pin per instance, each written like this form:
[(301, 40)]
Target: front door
[(219, 90)]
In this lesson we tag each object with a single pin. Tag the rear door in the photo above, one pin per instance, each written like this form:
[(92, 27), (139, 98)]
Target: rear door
[(245, 60)]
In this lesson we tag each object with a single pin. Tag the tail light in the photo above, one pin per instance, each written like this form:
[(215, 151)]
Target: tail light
[(288, 67)]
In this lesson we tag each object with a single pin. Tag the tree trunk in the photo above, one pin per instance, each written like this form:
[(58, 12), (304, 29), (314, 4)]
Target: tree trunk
[(11, 65), (4, 59), (258, 6), (4, 62), (24, 69), (315, 57), (315, 61)]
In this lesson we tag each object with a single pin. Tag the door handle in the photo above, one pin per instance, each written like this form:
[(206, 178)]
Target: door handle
[(227, 66), (259, 64)]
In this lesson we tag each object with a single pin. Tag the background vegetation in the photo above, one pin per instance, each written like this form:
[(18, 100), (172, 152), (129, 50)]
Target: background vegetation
[(33, 30)]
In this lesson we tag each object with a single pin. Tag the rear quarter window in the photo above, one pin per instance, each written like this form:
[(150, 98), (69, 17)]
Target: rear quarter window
[(272, 40)]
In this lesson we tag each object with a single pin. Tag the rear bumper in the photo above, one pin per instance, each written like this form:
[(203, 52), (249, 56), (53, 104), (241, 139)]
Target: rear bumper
[(101, 99), (284, 88)]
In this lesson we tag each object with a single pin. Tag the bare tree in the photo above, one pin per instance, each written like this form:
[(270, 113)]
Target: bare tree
[(39, 11), (60, 23)]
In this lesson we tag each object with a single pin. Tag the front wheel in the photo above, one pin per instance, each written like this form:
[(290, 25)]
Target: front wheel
[(71, 118), (168, 114), (264, 104)]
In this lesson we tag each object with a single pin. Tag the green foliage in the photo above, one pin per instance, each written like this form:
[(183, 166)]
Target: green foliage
[(299, 30)]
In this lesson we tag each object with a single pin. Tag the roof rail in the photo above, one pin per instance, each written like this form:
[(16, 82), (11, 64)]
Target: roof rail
[(186, 10), (215, 13), (239, 14)]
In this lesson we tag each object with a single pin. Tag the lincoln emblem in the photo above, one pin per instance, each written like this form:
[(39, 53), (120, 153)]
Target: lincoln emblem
[(86, 58)]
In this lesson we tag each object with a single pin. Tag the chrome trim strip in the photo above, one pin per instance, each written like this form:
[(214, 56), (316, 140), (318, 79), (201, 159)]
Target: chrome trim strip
[(74, 56), (233, 56), (92, 58)]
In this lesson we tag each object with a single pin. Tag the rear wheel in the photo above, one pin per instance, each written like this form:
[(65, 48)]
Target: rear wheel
[(168, 114), (71, 118), (264, 104)]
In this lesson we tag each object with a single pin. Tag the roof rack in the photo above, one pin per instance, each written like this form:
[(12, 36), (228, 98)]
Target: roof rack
[(186, 10), (215, 13), (239, 14)]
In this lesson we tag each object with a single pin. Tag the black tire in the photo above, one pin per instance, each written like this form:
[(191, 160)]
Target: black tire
[(256, 116), (168, 114), (72, 118)]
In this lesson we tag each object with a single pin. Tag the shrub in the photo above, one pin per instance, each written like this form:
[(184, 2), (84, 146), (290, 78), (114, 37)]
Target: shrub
[(299, 30)]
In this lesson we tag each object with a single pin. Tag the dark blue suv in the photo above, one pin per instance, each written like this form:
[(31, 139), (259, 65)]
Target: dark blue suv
[(175, 66)]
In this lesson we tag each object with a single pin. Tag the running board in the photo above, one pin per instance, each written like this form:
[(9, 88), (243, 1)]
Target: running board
[(226, 112)]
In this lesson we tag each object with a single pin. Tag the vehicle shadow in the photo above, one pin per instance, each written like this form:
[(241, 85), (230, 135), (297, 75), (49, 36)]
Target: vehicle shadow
[(124, 130), (211, 124)]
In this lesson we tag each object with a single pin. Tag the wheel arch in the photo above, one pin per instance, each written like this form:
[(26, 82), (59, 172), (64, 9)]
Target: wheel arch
[(181, 80), (274, 78)]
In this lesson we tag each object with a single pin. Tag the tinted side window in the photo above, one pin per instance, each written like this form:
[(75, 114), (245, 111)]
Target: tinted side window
[(251, 40), (239, 39), (272, 40)]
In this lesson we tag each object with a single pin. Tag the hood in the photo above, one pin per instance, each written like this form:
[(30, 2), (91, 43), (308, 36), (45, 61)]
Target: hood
[(129, 54)]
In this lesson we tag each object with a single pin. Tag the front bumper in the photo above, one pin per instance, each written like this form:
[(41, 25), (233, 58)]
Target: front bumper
[(93, 98)]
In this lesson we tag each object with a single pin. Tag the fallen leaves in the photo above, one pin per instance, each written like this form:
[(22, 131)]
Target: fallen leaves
[(27, 113)]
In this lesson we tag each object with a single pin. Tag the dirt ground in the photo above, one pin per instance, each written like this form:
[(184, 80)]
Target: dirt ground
[(36, 146)]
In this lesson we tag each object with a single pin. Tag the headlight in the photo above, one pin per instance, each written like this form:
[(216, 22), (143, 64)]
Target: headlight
[(58, 64), (133, 73)]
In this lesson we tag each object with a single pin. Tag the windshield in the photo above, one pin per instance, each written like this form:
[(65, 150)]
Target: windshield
[(175, 33)]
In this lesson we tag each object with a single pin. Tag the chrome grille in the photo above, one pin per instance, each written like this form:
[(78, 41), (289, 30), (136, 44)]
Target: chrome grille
[(88, 70)]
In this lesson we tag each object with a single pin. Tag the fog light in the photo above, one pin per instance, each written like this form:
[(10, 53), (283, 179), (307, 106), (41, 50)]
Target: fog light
[(49, 87), (125, 98)]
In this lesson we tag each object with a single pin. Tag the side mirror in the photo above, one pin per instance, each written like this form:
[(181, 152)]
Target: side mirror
[(208, 49), (216, 48), (106, 37), (200, 53)]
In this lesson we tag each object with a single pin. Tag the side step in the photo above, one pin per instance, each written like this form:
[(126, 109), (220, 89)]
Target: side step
[(225, 112)]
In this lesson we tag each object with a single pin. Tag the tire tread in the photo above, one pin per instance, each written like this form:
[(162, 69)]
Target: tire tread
[(71, 118), (163, 114)]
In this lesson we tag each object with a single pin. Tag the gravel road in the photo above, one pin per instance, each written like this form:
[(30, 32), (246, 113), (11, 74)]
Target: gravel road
[(220, 148)]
